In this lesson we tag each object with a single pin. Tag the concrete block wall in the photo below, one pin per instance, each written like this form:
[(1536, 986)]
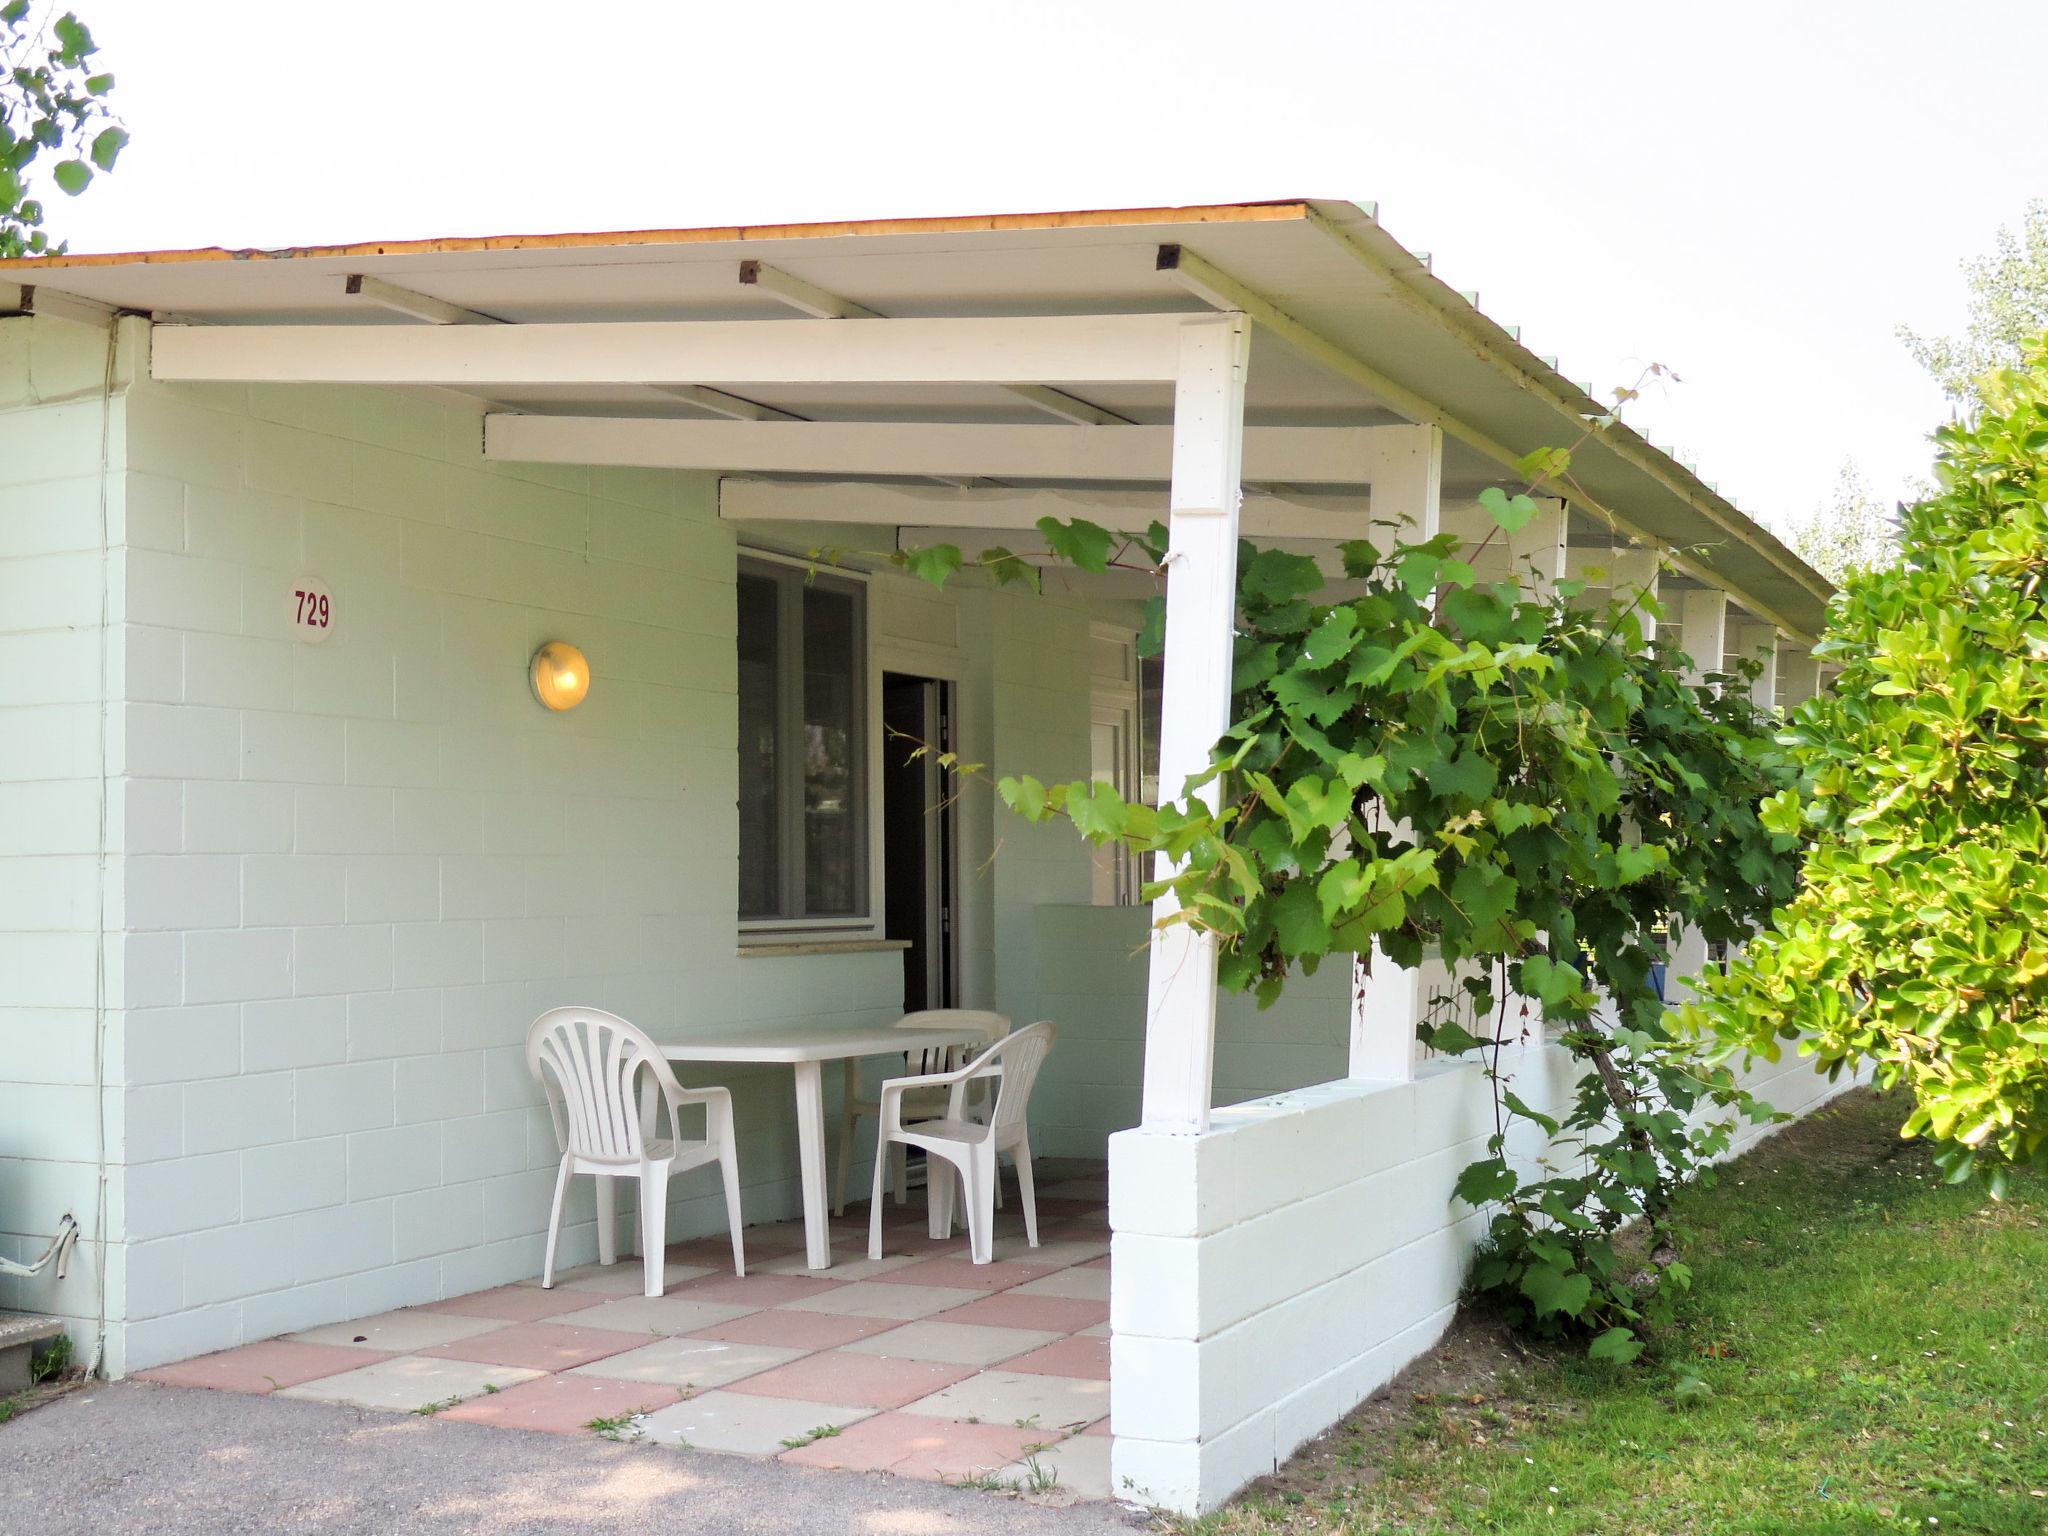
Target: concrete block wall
[(343, 877), (1224, 1360), (64, 522), (360, 868)]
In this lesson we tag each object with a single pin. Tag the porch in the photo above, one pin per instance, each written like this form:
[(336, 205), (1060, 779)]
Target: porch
[(349, 865)]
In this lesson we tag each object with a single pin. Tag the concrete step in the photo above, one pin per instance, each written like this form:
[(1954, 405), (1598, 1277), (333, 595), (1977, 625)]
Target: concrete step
[(20, 1333)]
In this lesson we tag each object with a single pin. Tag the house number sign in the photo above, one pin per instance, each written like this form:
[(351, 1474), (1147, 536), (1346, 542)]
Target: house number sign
[(311, 610)]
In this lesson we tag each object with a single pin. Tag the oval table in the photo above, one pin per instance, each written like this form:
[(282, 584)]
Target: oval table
[(806, 1048)]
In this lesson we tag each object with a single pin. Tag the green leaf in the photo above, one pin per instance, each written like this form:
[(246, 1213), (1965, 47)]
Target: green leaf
[(71, 176), (1617, 1344), (1487, 1180), (1556, 1290), (107, 147), (1024, 795), (1084, 545), (935, 564), (1511, 512)]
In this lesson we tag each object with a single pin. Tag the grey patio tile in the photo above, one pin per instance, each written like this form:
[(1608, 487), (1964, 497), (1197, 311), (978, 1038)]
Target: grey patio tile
[(750, 1426), (1051, 1403), (1080, 1284), (399, 1333), (409, 1383), (1078, 1467), (655, 1314), (954, 1343), (1057, 1253), (878, 1298), (698, 1363), (847, 1264)]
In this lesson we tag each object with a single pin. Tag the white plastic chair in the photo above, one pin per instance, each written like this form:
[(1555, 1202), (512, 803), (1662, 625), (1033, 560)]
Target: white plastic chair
[(921, 1106), (970, 1147), (589, 1063)]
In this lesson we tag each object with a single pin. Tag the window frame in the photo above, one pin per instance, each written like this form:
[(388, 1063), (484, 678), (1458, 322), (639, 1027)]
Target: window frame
[(791, 578)]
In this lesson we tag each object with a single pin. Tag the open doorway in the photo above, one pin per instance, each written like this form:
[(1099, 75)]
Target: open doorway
[(917, 836)]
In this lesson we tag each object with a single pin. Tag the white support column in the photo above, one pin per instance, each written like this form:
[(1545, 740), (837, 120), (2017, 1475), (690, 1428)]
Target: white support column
[(1801, 673), (1387, 1001), (1703, 632), (1633, 571), (1201, 606), (1702, 635), (1760, 641), (1533, 554), (1407, 480)]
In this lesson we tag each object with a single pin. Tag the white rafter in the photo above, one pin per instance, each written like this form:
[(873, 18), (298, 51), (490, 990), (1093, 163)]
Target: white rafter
[(821, 305), (1003, 350), (424, 306), (1296, 455), (865, 503)]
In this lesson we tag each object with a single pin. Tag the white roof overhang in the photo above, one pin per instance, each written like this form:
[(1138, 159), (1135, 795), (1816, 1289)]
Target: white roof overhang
[(1353, 333)]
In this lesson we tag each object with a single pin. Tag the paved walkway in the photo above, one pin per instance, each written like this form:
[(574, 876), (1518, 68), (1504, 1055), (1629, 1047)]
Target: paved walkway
[(134, 1459), (920, 1363)]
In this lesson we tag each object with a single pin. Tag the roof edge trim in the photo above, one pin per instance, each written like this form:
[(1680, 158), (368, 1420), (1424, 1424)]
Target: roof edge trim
[(1102, 218)]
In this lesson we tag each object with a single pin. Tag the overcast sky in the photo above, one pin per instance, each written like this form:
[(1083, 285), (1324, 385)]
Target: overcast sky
[(1755, 195)]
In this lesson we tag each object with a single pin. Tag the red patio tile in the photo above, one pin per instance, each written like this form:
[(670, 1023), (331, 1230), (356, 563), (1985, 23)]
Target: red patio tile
[(1101, 1263), (966, 1275), (911, 1446), (853, 1381), (756, 1290), (514, 1303), (264, 1368), (1079, 1356), (1099, 1427), (562, 1405), (539, 1346), (1051, 1314), (797, 1330)]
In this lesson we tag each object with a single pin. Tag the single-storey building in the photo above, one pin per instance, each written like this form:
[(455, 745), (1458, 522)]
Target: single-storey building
[(291, 854)]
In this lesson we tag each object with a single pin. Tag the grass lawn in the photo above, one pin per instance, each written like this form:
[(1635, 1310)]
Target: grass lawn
[(1866, 1350)]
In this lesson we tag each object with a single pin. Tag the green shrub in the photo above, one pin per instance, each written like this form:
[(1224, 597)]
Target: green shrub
[(1919, 941)]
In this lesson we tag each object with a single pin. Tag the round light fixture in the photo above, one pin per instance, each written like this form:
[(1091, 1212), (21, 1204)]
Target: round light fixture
[(561, 675)]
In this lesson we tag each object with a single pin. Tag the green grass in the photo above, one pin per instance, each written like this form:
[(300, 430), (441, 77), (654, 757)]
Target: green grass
[(1866, 1349)]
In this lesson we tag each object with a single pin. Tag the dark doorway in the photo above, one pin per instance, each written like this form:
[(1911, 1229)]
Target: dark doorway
[(917, 835)]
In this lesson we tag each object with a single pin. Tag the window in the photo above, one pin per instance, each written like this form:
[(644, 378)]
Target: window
[(803, 746), (1123, 745)]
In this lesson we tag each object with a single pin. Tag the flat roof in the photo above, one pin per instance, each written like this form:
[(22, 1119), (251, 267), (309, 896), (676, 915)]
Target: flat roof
[(1326, 264)]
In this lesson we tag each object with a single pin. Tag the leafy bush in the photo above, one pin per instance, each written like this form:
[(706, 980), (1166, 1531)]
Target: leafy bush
[(1919, 942), (1516, 784)]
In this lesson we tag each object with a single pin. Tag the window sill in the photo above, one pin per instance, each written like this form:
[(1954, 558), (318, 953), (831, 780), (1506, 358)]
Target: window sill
[(781, 949)]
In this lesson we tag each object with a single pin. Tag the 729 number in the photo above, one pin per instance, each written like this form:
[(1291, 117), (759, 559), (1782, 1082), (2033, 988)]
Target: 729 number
[(312, 609)]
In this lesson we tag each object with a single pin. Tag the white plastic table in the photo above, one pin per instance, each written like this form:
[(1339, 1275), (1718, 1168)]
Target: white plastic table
[(807, 1047)]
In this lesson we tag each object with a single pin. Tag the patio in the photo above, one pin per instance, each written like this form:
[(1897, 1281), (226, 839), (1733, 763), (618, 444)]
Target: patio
[(920, 1363)]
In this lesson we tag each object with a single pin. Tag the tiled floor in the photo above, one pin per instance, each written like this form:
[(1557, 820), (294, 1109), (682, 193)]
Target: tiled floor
[(920, 1363)]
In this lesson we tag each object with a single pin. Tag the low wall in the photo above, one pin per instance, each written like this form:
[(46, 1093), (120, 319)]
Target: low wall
[(1271, 1273)]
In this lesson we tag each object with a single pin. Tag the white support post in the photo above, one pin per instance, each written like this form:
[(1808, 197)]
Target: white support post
[(1387, 1001), (1201, 606), (1635, 571), (1703, 632), (1800, 672), (1703, 636), (1407, 478), (1761, 642)]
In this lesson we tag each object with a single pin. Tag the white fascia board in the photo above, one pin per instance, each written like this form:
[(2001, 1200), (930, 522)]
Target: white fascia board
[(1007, 509), (1011, 349), (1301, 455)]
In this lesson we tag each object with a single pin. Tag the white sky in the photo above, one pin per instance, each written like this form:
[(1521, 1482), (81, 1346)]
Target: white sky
[(1755, 195)]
